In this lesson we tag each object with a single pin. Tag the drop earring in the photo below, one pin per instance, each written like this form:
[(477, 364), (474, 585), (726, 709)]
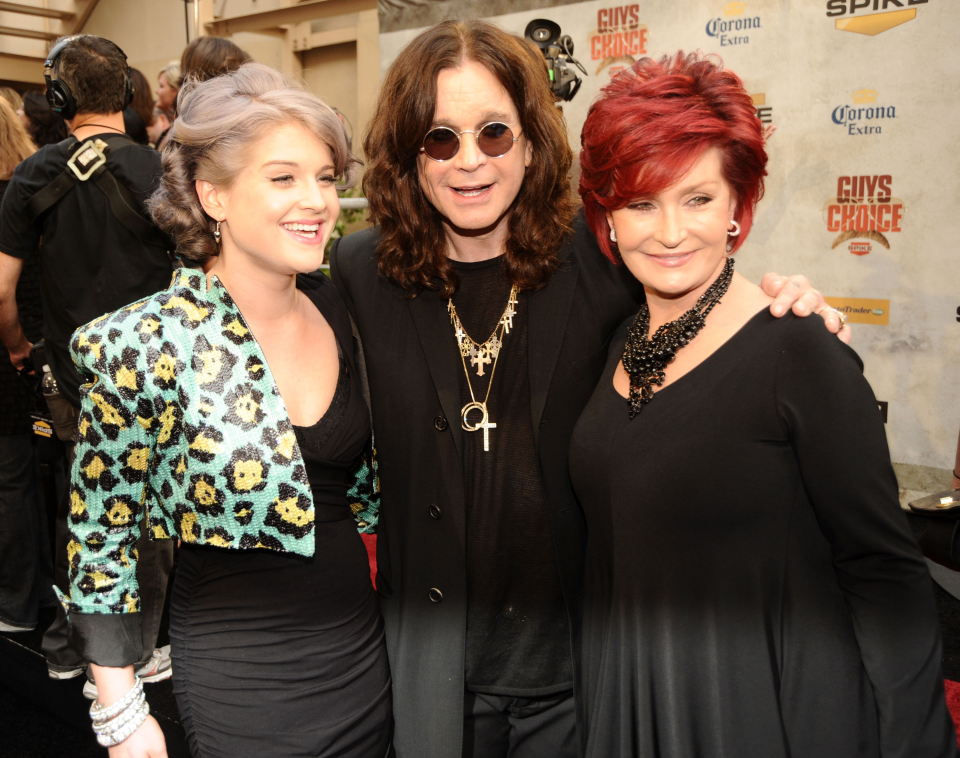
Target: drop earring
[(734, 233), (216, 234), (613, 234)]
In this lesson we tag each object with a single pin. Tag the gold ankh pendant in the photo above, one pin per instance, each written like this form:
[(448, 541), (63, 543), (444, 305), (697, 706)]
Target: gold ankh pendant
[(484, 422)]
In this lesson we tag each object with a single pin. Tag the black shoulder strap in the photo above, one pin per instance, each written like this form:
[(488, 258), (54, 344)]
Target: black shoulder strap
[(90, 162)]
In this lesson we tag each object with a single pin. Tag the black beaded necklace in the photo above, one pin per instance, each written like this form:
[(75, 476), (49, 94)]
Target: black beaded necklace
[(645, 360)]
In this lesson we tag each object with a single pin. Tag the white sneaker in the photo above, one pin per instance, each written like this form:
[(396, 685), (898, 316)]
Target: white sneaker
[(157, 668), (65, 673)]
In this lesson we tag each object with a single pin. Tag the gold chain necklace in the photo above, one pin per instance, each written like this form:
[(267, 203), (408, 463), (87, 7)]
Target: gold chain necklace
[(481, 355)]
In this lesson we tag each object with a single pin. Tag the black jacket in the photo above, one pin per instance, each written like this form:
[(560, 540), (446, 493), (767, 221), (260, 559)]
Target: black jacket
[(413, 366)]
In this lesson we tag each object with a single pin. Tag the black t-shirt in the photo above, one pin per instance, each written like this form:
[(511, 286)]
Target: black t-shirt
[(16, 395), (90, 263), (518, 634)]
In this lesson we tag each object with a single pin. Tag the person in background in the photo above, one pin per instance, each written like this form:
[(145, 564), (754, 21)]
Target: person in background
[(274, 625), (44, 125), (26, 574), (93, 259), (12, 97), (207, 57), (168, 85), (748, 590), (159, 128), (138, 116)]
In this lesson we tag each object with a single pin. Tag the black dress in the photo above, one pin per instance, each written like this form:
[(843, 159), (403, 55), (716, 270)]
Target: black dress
[(751, 585), (278, 655)]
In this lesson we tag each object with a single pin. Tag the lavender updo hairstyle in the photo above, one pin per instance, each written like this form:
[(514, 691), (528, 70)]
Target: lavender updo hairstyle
[(217, 122)]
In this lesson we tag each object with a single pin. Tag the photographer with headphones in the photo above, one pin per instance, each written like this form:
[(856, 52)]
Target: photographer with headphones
[(84, 197)]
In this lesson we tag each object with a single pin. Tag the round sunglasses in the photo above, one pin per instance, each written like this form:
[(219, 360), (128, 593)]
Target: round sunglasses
[(494, 140)]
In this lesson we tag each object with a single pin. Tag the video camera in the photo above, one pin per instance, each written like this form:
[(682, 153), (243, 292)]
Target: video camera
[(558, 52)]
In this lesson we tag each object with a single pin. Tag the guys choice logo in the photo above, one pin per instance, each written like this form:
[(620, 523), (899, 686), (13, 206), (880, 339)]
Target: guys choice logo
[(870, 21), (864, 212), (864, 116), (619, 40), (732, 28)]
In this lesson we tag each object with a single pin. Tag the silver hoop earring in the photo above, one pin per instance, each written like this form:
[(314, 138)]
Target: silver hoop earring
[(613, 234), (216, 233), (736, 229)]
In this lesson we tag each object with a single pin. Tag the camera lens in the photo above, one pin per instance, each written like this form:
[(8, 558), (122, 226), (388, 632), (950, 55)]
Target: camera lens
[(541, 34)]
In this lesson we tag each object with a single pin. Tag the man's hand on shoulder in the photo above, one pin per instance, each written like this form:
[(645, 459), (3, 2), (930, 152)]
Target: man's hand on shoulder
[(797, 294)]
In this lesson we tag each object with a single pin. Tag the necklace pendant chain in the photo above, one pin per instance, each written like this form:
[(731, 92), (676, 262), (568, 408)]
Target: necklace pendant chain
[(480, 356), (645, 360)]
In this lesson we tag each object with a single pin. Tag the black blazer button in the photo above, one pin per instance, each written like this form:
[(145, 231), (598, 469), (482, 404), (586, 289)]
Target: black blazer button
[(440, 422), (435, 595), (434, 512)]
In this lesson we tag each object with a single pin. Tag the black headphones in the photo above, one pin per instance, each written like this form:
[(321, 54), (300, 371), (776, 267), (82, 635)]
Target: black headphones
[(60, 97)]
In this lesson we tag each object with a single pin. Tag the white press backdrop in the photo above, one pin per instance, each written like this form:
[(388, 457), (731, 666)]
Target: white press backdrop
[(807, 70)]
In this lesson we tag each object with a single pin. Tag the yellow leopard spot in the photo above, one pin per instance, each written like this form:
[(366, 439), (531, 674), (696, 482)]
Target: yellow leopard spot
[(204, 444), (95, 468), (355, 508), (110, 415), (289, 511), (246, 408), (187, 522), (139, 459), (148, 326), (167, 420), (237, 328), (218, 540), (119, 514), (243, 513), (212, 365), (82, 427), (73, 548), (101, 581), (95, 347), (126, 378), (130, 602), (194, 313), (205, 494), (77, 505), (159, 533), (124, 558), (255, 368), (285, 444), (247, 475), (181, 465), (205, 408), (165, 367)]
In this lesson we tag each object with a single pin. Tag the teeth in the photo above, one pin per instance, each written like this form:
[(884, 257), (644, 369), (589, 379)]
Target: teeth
[(311, 229), (469, 192)]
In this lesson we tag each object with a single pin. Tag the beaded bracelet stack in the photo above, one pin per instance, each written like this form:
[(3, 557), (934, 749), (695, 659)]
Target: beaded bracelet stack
[(114, 723)]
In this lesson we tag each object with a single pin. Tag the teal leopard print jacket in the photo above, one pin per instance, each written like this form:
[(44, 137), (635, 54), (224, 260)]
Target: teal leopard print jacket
[(182, 417)]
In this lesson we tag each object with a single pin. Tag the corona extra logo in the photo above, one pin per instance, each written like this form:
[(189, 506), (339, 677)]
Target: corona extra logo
[(863, 211), (871, 23), (731, 31), (619, 40), (853, 118)]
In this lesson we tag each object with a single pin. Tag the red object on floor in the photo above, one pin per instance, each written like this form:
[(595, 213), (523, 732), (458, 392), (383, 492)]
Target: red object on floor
[(370, 542), (952, 690)]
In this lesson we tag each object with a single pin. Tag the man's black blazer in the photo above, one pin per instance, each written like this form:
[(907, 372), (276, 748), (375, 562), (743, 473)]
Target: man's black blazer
[(413, 366)]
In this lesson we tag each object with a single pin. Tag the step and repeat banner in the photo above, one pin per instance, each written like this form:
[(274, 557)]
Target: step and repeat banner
[(863, 190)]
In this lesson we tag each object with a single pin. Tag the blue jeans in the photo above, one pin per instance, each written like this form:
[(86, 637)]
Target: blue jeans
[(26, 573)]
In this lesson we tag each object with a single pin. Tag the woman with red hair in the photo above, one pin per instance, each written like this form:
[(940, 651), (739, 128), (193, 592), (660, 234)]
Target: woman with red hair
[(749, 591)]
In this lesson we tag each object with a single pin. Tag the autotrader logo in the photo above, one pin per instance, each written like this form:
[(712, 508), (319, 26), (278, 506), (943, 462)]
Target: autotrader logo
[(871, 23)]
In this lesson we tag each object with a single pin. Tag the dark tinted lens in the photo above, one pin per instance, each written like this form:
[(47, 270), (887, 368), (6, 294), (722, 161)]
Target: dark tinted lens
[(495, 140), (441, 143)]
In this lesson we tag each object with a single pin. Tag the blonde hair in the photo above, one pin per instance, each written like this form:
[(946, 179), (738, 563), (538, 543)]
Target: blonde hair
[(11, 96), (217, 121), (15, 143), (172, 74)]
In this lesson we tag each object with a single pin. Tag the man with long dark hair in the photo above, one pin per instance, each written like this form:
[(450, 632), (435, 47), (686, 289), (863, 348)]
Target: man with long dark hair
[(485, 309)]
